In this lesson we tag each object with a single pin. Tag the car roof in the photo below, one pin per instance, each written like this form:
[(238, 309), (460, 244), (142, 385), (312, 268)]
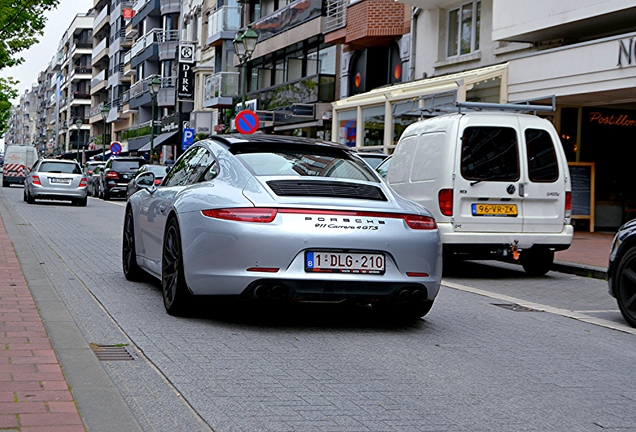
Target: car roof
[(59, 161), (265, 139)]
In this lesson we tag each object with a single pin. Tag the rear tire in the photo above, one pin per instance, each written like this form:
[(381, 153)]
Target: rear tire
[(27, 197), (105, 195), (82, 202), (537, 261), (176, 296), (132, 271), (5, 183)]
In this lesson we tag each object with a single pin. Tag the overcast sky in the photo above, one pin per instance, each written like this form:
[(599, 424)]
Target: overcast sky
[(38, 56)]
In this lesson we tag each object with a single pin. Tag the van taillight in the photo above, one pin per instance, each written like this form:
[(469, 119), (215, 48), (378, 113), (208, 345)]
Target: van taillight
[(568, 204), (445, 199)]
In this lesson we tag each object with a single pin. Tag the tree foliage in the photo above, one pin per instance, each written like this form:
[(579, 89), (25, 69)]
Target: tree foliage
[(21, 25)]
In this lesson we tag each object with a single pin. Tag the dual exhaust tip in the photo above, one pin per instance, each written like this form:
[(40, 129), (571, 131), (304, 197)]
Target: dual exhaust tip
[(271, 292)]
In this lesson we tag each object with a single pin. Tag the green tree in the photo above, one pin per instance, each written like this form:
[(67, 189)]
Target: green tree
[(21, 25)]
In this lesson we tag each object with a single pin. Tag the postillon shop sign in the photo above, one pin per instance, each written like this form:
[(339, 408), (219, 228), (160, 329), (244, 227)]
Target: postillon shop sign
[(596, 117)]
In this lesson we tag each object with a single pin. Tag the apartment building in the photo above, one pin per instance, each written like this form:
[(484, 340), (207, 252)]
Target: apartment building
[(76, 47)]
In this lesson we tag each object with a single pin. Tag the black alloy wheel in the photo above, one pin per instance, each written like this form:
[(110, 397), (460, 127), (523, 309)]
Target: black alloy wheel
[(27, 196), (625, 286), (176, 297), (132, 271)]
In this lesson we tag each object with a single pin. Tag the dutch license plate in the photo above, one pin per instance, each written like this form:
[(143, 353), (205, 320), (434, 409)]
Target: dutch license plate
[(494, 210), (357, 263)]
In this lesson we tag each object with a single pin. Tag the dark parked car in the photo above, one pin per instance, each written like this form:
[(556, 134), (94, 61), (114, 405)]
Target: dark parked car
[(114, 178), (91, 172), (159, 171), (622, 271)]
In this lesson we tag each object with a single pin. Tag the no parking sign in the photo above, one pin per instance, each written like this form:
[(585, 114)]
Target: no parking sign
[(115, 148), (247, 122)]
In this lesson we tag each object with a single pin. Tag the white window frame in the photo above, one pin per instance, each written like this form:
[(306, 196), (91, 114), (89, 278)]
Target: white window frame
[(473, 36)]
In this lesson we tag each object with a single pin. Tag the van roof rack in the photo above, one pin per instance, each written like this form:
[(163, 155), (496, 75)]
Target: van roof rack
[(519, 106)]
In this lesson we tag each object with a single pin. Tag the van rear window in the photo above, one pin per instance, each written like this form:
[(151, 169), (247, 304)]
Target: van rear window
[(490, 153), (542, 160)]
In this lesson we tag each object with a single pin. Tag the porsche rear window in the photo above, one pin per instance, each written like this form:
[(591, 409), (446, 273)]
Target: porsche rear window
[(304, 162)]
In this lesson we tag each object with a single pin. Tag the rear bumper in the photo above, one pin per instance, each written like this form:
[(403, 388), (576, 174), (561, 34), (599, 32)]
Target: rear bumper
[(58, 194), (470, 241), (13, 179)]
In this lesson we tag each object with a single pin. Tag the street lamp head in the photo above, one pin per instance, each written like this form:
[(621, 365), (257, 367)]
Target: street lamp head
[(239, 45), (105, 112), (250, 37), (155, 85), (79, 122)]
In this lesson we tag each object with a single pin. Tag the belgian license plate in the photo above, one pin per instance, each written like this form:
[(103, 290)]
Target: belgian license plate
[(60, 180), (495, 210), (341, 262)]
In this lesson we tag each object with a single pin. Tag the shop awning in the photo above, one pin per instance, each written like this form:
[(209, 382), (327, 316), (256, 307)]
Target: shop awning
[(159, 140)]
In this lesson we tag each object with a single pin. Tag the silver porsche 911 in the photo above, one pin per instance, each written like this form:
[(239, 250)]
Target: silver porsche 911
[(276, 218)]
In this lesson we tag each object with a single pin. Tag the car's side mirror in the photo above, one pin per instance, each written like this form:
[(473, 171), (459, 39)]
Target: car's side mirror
[(146, 180)]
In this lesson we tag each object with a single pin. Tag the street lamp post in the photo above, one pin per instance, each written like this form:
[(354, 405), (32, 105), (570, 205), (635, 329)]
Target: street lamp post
[(105, 111), (244, 44), (153, 86), (79, 122), (64, 130)]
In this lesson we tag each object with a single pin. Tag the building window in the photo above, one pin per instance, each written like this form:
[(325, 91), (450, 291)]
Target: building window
[(463, 29), (347, 122), (373, 120)]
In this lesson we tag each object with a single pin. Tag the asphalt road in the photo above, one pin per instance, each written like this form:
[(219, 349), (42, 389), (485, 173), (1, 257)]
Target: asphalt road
[(475, 363)]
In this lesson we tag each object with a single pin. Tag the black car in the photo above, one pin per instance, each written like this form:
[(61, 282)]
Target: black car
[(373, 158), (114, 177), (159, 171), (622, 271)]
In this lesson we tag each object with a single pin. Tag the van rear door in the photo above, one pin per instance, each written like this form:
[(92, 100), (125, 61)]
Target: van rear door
[(546, 174), (486, 196)]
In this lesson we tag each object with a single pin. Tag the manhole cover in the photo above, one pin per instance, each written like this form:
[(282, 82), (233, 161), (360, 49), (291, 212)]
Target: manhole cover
[(112, 352), (516, 307)]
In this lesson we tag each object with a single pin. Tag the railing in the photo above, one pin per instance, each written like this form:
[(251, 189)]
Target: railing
[(119, 68), (226, 18), (314, 88), (141, 130), (98, 79), (101, 46), (141, 87), (81, 45), (145, 41), (100, 17), (336, 15), (121, 35), (295, 13), (79, 95), (81, 70), (127, 58), (98, 109), (167, 36), (221, 84), (139, 5), (168, 82)]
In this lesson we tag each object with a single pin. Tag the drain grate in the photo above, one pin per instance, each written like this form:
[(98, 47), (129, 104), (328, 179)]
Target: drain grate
[(112, 352), (516, 307)]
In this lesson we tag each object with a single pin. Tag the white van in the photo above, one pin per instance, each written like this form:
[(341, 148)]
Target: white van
[(497, 183), (18, 160)]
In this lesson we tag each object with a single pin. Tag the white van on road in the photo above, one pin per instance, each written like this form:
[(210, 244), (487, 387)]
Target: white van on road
[(18, 160), (497, 183)]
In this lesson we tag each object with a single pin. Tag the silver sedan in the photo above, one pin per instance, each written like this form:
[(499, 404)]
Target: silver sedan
[(272, 218), (56, 179)]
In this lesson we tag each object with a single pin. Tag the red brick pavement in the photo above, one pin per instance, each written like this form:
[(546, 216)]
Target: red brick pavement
[(591, 249), (34, 395)]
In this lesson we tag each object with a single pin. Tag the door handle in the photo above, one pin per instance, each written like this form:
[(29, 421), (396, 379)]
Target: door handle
[(522, 189), (162, 208)]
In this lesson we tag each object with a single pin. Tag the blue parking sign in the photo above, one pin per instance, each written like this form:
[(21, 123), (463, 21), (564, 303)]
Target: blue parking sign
[(188, 138)]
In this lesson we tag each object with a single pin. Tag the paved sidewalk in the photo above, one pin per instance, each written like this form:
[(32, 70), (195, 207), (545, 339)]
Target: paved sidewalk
[(587, 256), (34, 394)]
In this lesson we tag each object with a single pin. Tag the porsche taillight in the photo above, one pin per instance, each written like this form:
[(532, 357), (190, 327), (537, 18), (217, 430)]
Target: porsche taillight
[(418, 222), (445, 200), (263, 215)]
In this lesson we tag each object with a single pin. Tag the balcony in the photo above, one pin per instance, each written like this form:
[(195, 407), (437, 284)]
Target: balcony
[(141, 130), (147, 41), (81, 72), (98, 82), (101, 20), (167, 95), (220, 89), (311, 89), (370, 23), (336, 21), (80, 48), (100, 51), (144, 8), (170, 6), (115, 75), (223, 24), (168, 42), (131, 31), (140, 94), (294, 14)]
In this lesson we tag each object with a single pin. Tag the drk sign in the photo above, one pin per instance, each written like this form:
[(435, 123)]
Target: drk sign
[(188, 138)]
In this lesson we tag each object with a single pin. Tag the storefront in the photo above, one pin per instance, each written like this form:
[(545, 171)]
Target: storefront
[(596, 115)]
